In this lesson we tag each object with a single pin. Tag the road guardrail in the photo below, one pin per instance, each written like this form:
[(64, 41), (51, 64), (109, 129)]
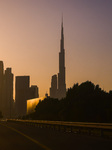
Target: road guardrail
[(93, 129)]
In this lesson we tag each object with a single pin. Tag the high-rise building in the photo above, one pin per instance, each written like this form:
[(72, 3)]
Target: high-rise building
[(1, 83), (33, 92), (61, 91), (21, 94), (61, 74), (7, 102), (53, 89)]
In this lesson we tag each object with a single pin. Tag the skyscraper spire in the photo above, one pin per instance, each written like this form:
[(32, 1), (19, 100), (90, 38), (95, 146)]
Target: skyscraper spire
[(59, 92), (62, 36), (61, 74), (62, 26)]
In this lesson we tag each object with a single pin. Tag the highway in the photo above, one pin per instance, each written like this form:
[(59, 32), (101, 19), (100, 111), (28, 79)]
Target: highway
[(15, 136)]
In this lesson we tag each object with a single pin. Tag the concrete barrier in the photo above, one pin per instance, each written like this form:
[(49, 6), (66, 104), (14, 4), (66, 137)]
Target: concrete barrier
[(92, 129)]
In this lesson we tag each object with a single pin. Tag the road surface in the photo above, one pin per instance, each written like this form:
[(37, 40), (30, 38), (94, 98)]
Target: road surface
[(21, 137)]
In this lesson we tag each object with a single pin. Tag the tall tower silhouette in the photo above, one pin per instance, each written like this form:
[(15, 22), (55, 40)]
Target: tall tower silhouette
[(61, 74), (58, 85)]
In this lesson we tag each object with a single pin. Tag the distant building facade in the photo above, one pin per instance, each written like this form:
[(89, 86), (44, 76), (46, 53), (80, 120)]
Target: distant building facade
[(53, 89), (33, 92), (23, 93), (59, 92), (6, 91), (1, 83), (8, 102)]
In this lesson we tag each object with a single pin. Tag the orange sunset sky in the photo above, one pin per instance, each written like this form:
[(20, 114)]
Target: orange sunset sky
[(30, 32)]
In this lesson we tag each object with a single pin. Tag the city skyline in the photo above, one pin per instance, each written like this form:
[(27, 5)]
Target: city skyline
[(30, 33)]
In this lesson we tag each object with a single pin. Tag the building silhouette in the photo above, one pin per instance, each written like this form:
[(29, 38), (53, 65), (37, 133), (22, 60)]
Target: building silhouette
[(1, 83), (7, 96), (61, 74), (53, 89), (59, 92), (23, 92), (6, 91), (33, 92)]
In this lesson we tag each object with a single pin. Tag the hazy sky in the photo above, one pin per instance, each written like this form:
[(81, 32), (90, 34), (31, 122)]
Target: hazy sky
[(30, 40)]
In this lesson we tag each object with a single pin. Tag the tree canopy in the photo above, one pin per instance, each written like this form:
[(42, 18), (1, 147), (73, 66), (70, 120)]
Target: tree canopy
[(85, 102)]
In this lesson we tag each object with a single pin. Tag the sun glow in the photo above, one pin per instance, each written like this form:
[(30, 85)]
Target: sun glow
[(31, 104)]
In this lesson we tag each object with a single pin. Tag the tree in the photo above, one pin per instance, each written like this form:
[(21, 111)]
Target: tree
[(85, 102), (1, 115)]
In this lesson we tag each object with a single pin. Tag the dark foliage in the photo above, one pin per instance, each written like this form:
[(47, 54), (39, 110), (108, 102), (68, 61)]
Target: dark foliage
[(1, 115), (85, 102)]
